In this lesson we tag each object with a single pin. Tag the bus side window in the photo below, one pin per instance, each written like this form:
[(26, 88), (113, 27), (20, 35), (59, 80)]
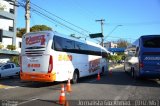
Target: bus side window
[(68, 45), (58, 43), (81, 48)]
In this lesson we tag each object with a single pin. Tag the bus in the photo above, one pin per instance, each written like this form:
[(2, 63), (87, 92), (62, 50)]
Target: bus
[(143, 57), (49, 56)]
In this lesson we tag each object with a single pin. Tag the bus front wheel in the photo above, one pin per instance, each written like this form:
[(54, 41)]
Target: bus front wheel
[(75, 77)]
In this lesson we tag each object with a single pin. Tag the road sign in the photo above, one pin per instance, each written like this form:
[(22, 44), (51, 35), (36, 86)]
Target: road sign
[(96, 35)]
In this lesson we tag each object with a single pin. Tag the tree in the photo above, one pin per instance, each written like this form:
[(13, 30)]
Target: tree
[(22, 31), (15, 59), (122, 43), (40, 28)]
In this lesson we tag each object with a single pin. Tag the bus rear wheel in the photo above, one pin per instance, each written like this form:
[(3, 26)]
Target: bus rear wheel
[(75, 77)]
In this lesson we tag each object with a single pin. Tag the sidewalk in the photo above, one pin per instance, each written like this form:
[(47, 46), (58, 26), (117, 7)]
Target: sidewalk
[(115, 65)]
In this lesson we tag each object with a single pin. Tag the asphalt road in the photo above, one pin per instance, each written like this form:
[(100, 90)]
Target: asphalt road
[(116, 87)]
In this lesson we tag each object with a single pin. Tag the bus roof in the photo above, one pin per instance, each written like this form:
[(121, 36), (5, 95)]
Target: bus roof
[(65, 36)]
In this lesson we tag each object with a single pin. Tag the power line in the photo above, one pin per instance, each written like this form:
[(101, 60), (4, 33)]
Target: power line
[(40, 13), (60, 18), (121, 37), (45, 15), (135, 24), (58, 22)]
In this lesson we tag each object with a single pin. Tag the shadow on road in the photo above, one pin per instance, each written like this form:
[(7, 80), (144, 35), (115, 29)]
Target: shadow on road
[(15, 81), (119, 77)]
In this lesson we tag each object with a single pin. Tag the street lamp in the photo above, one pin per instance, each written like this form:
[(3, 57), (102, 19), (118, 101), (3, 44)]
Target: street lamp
[(113, 30)]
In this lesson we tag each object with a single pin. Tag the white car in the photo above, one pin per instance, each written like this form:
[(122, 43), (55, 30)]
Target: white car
[(9, 70)]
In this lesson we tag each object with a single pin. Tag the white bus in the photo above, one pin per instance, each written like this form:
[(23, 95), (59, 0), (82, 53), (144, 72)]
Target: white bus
[(48, 56)]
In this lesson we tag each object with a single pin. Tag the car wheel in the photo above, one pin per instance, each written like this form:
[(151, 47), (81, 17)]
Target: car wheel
[(75, 77)]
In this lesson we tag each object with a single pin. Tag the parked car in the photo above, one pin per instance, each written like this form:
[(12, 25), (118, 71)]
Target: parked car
[(9, 70)]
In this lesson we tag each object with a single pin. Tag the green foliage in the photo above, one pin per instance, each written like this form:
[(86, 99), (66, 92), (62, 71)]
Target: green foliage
[(22, 31), (1, 45), (40, 28), (11, 47), (2, 7), (115, 57), (122, 43), (15, 59)]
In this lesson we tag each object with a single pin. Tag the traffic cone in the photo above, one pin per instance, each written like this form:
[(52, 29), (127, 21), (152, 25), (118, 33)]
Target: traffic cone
[(62, 97), (66, 103), (68, 87), (98, 76)]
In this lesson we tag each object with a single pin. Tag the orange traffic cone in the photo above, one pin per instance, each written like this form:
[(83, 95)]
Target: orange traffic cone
[(66, 103), (98, 76), (68, 87), (62, 97)]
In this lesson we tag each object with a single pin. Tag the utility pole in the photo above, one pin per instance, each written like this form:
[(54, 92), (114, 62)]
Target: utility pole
[(102, 23), (27, 16)]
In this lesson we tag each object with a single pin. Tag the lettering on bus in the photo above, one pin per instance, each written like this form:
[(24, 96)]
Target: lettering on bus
[(34, 65), (94, 65), (64, 57), (36, 39)]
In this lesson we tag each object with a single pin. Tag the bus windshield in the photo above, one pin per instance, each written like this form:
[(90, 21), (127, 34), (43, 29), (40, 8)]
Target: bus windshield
[(151, 42)]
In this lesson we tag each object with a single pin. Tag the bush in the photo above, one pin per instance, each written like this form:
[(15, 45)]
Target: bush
[(11, 47), (15, 59), (1, 45)]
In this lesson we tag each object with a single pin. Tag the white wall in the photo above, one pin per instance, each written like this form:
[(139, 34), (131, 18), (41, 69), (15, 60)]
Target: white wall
[(6, 5), (5, 23), (8, 41), (18, 40)]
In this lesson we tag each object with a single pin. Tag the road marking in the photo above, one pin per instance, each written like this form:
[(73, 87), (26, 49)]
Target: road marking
[(11, 87), (28, 101), (117, 98), (3, 86)]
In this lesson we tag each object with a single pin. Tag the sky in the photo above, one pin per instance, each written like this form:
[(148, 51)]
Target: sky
[(125, 19)]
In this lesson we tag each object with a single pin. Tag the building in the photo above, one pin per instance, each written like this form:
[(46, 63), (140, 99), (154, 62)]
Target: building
[(8, 22), (8, 30), (108, 45)]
